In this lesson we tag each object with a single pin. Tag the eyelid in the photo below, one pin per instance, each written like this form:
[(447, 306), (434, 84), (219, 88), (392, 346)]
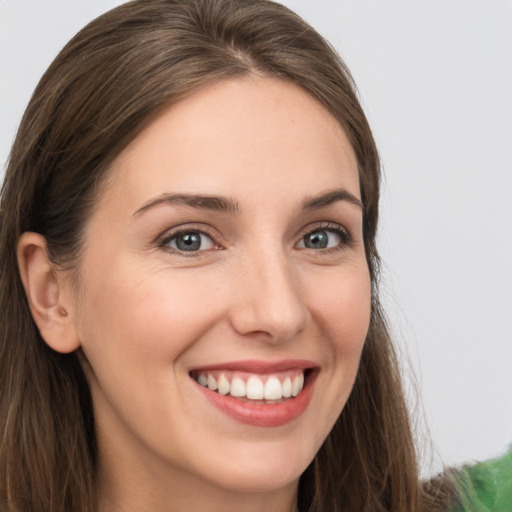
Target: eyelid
[(164, 239), (345, 235)]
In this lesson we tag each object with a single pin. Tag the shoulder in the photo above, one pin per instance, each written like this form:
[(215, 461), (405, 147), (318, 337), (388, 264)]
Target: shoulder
[(486, 486)]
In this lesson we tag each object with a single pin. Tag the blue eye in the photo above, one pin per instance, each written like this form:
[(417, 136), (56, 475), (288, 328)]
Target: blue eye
[(321, 239), (189, 241)]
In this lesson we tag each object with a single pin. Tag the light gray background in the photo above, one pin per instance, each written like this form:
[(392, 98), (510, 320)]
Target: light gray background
[(435, 78)]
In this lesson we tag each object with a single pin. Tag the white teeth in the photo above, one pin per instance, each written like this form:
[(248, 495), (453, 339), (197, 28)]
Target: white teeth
[(212, 383), (287, 387), (254, 388), (224, 385), (298, 383), (238, 387), (273, 389)]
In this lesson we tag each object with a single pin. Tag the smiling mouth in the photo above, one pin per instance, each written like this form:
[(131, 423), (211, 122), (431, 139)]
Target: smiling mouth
[(272, 388)]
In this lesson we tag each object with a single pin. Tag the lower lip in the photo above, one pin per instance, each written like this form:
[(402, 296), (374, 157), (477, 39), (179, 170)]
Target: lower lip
[(261, 415)]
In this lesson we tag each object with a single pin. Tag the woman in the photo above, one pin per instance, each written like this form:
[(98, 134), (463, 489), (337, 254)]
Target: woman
[(190, 279)]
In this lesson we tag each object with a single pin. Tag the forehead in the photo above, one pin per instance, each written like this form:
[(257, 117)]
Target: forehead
[(235, 135)]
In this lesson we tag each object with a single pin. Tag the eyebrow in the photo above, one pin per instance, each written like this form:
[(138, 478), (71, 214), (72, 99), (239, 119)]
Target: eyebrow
[(226, 204), (330, 197), (204, 202)]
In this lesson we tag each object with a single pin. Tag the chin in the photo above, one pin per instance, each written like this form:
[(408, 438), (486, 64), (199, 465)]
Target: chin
[(264, 480), (261, 471)]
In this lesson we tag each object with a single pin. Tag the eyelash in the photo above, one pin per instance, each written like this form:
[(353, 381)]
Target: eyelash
[(346, 239), (167, 238)]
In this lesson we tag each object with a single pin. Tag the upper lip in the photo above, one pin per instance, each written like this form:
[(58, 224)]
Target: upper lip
[(259, 366)]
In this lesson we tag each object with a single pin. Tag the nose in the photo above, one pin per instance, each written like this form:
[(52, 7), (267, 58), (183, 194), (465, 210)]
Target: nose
[(268, 302)]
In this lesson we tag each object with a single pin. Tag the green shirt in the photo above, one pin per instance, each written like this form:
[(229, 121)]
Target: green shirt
[(486, 486)]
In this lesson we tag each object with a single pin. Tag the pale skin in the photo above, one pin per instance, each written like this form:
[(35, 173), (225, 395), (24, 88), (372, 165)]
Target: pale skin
[(255, 286)]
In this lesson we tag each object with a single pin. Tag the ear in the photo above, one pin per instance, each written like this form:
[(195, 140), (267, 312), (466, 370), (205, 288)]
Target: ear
[(44, 288)]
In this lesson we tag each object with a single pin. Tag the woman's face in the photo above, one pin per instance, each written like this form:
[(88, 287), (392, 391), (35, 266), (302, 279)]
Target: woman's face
[(226, 250)]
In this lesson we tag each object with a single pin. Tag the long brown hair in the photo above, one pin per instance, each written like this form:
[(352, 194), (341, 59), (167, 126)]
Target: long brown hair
[(104, 87)]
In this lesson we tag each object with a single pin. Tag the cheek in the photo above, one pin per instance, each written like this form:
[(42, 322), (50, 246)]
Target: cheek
[(340, 304), (342, 307), (134, 330), (144, 314), (342, 312), (351, 328)]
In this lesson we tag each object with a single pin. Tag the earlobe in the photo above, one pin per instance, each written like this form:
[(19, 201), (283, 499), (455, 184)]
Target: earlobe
[(45, 295)]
